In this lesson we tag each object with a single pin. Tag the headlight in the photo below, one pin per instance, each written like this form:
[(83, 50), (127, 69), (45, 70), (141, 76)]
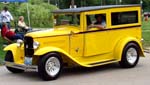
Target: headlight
[(19, 42), (36, 44), (142, 40)]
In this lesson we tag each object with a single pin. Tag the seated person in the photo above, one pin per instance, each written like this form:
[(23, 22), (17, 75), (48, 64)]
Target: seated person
[(100, 22), (22, 27), (9, 35)]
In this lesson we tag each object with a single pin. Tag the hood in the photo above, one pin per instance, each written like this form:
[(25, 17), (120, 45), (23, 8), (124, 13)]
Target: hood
[(61, 30)]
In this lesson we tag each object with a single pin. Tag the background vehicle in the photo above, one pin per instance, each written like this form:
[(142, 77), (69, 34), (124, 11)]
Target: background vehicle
[(72, 43)]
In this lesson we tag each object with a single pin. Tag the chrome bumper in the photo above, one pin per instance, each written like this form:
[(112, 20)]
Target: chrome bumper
[(21, 66)]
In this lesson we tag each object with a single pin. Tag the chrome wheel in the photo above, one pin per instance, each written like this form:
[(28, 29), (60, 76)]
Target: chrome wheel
[(52, 66), (132, 55)]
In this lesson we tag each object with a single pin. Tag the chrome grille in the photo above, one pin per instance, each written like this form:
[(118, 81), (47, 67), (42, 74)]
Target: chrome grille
[(28, 46)]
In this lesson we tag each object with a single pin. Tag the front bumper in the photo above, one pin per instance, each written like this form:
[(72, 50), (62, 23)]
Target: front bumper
[(21, 66)]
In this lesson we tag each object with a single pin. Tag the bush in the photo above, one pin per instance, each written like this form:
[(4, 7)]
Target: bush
[(40, 13)]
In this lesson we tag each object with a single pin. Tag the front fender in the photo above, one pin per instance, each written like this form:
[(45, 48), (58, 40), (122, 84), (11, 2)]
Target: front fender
[(46, 50), (10, 47), (18, 53), (122, 43)]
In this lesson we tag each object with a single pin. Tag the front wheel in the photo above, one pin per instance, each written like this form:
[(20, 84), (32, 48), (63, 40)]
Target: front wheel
[(130, 56), (50, 66), (9, 58)]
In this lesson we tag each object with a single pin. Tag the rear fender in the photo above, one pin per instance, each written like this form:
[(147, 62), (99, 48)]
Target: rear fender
[(122, 43)]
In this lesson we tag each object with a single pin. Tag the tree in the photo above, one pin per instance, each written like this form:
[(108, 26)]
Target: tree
[(131, 1), (146, 5), (80, 3), (40, 12)]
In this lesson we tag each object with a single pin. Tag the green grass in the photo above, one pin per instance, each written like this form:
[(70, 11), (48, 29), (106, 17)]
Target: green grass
[(2, 53), (146, 25), (146, 33)]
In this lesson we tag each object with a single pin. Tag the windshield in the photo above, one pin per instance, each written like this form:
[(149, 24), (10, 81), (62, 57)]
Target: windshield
[(67, 19)]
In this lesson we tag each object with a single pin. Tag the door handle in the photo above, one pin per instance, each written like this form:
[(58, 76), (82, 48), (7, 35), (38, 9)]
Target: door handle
[(72, 33)]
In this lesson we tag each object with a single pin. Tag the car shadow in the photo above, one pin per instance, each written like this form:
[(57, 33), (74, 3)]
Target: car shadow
[(84, 70), (69, 72)]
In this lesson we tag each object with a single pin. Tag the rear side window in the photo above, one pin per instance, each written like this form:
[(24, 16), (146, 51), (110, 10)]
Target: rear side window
[(120, 18)]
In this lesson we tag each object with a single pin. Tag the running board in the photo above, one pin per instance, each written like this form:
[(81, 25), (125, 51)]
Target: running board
[(103, 62), (21, 66)]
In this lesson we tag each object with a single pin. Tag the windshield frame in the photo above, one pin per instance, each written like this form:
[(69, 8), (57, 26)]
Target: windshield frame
[(67, 21)]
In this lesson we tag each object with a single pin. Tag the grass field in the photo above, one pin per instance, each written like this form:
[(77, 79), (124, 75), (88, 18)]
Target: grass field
[(2, 53), (145, 32)]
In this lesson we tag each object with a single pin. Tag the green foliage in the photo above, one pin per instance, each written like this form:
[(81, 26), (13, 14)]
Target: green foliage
[(36, 1), (131, 1), (40, 12), (79, 3), (40, 15), (2, 53), (146, 32), (146, 5), (66, 3)]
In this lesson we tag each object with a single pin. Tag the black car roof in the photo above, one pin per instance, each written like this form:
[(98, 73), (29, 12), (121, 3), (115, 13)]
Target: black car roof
[(90, 8)]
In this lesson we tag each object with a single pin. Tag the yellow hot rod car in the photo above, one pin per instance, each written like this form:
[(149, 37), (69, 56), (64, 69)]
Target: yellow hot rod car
[(76, 40)]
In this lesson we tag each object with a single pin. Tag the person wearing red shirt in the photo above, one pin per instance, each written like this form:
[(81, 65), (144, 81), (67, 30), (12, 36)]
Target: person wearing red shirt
[(9, 35)]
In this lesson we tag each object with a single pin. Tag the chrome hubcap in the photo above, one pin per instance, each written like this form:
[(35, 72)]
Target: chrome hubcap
[(52, 66), (132, 55)]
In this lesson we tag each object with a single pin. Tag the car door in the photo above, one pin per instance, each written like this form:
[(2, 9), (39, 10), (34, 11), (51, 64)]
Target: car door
[(96, 42), (76, 39), (76, 45)]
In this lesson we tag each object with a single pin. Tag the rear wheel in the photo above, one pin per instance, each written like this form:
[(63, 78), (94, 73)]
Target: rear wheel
[(130, 56), (50, 66), (9, 58)]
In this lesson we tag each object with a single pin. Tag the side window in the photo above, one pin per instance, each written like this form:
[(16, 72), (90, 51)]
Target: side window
[(96, 21), (119, 18)]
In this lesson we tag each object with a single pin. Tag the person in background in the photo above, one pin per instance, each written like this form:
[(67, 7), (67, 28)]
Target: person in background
[(146, 18), (6, 16), (22, 25), (9, 35)]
